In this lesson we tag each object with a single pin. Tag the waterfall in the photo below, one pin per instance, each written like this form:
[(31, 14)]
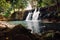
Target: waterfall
[(30, 26), (34, 26), (35, 15), (32, 19), (33, 22), (29, 16)]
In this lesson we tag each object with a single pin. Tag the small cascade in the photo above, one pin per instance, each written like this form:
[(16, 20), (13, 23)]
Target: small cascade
[(29, 16), (32, 20), (35, 15)]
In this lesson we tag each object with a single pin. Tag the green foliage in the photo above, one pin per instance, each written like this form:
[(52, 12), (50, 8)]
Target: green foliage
[(7, 13), (22, 4), (44, 3), (4, 6), (49, 2), (19, 3)]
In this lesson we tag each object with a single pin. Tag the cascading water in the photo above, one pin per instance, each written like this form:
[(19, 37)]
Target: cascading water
[(32, 21), (35, 15), (29, 16), (36, 28), (33, 24)]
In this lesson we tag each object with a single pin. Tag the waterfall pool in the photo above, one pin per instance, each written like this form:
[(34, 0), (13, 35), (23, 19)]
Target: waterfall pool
[(35, 26)]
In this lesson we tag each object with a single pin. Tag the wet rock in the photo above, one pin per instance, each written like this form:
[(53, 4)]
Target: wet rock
[(19, 32)]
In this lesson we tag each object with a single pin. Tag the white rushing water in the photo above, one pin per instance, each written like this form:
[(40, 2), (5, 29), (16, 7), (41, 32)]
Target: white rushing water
[(32, 19), (33, 22), (29, 16), (35, 14), (34, 26)]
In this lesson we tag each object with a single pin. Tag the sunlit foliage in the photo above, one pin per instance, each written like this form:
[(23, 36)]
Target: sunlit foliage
[(4, 6)]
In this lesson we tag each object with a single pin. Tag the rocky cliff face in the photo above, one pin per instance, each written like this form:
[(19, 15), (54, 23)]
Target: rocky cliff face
[(20, 15)]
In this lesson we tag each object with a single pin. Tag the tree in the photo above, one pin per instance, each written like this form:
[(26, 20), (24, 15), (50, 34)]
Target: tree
[(4, 6), (44, 3), (19, 4)]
